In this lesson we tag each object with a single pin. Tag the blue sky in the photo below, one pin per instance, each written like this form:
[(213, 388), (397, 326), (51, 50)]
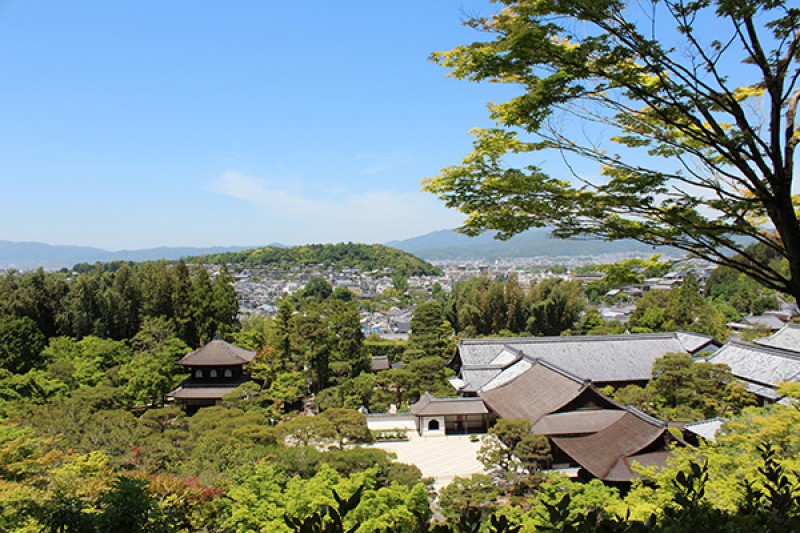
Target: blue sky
[(194, 123)]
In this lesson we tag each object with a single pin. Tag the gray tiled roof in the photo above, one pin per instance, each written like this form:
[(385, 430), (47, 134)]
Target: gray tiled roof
[(761, 368), (475, 378), (768, 321), (787, 338), (429, 405), (705, 428), (601, 358), (380, 362)]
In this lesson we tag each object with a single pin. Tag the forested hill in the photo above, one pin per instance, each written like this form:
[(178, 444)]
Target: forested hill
[(365, 257)]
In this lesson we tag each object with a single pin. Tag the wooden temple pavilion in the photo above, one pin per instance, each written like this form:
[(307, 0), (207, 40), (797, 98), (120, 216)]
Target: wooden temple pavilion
[(214, 370)]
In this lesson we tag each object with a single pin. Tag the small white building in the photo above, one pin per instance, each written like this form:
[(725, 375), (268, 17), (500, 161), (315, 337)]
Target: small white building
[(443, 416)]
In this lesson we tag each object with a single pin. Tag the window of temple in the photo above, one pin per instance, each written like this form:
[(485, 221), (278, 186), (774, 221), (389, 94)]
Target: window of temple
[(433, 425), (213, 373), (198, 373), (228, 373)]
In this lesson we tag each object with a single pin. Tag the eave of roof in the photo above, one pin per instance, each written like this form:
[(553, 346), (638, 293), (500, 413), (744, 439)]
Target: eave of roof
[(201, 393), (429, 405)]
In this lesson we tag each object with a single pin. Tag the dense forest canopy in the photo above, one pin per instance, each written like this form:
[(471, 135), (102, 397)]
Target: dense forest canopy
[(365, 257), (87, 443)]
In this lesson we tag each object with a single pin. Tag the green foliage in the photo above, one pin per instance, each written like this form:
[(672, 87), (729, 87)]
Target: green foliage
[(307, 431), (348, 357), (741, 292), (468, 495), (482, 307), (684, 389), (702, 135), (512, 452), (152, 371), (328, 519), (20, 392), (430, 376), (431, 335), (556, 306), (322, 339), (286, 389), (349, 425), (365, 257), (387, 348), (680, 309), (21, 344), (112, 301), (254, 332), (87, 361), (397, 385)]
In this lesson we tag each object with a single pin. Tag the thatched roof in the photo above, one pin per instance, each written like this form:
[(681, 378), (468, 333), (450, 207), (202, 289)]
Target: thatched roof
[(577, 422), (609, 453), (539, 390), (218, 353)]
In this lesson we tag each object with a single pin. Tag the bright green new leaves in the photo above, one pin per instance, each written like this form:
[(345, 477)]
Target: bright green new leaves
[(703, 126)]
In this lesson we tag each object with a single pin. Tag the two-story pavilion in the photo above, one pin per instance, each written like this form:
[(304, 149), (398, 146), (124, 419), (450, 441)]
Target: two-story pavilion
[(214, 370)]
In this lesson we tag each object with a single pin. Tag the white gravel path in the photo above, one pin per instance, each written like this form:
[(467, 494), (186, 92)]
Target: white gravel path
[(442, 458)]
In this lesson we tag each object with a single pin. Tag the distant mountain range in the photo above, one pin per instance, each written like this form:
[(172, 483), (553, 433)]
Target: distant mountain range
[(28, 255), (442, 245), (449, 244)]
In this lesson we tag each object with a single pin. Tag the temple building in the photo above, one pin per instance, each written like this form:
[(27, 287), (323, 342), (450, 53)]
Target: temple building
[(555, 383), (214, 370)]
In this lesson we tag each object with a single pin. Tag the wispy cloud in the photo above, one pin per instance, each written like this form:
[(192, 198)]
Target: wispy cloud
[(369, 216), (263, 192), (380, 162)]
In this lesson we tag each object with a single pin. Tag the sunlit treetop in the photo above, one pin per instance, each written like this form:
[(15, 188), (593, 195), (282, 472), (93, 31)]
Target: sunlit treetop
[(687, 110)]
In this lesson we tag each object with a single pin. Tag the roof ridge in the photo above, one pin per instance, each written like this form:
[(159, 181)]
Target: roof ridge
[(588, 385), (563, 371), (644, 416), (484, 367), (534, 361), (229, 348), (694, 333), (782, 352), (706, 421), (505, 341)]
